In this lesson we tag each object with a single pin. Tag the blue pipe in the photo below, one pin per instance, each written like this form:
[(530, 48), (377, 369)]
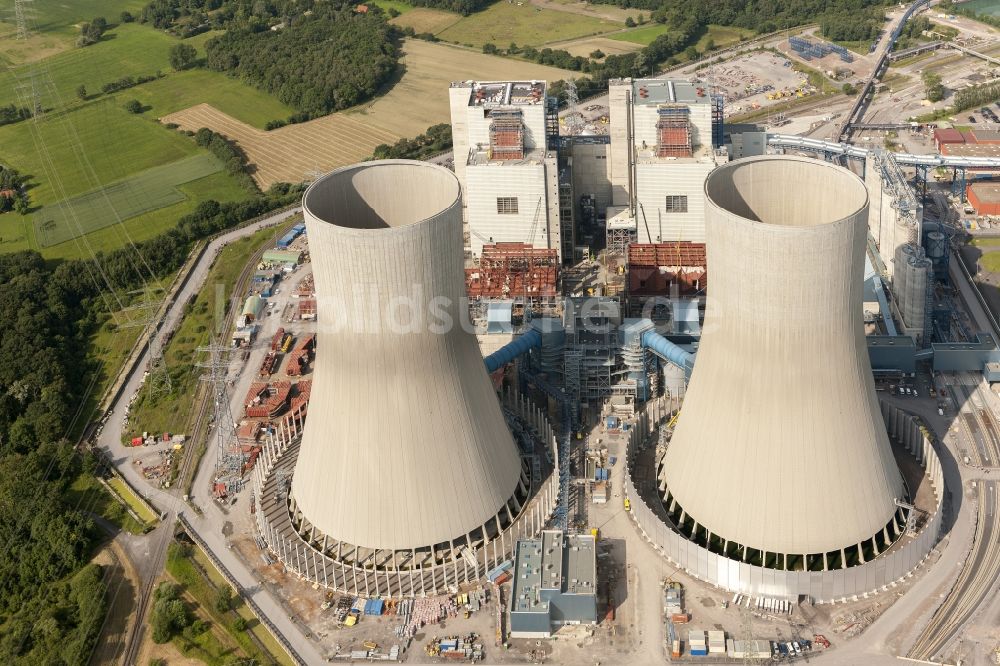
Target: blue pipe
[(501, 357), (667, 350), (883, 304)]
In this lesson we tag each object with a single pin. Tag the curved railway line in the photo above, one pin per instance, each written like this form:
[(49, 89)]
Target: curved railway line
[(975, 582)]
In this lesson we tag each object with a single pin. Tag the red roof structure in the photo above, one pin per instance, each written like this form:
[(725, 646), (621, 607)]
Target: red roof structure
[(655, 268)]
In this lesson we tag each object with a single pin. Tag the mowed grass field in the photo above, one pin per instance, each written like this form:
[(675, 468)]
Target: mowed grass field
[(70, 153), (524, 24), (141, 193), (137, 50), (425, 19), (417, 101), (584, 47), (721, 35), (84, 146), (54, 25)]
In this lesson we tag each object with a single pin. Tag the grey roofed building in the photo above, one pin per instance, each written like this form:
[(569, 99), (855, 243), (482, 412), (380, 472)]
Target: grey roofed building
[(555, 583)]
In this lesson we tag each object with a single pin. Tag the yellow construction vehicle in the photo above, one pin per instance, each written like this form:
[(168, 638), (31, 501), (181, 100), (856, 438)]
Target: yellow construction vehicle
[(370, 645)]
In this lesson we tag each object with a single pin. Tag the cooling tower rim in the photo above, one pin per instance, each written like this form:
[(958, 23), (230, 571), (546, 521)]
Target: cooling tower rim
[(446, 176), (825, 175)]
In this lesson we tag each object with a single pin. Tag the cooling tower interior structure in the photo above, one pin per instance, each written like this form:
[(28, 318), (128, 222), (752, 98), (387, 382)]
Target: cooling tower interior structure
[(780, 455), (405, 464)]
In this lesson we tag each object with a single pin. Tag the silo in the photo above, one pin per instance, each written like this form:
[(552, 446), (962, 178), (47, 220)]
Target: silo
[(915, 304), (780, 456), (406, 457), (937, 245), (903, 255)]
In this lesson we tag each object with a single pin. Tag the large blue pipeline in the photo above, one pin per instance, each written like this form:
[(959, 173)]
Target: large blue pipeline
[(532, 338), (667, 350), (528, 340)]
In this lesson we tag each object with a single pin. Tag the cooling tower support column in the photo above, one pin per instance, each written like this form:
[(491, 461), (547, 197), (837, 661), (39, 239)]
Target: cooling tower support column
[(780, 450)]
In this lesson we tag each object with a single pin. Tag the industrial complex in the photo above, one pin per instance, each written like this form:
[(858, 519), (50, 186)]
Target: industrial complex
[(674, 389)]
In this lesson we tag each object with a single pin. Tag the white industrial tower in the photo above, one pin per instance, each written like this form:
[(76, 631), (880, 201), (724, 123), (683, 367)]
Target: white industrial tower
[(780, 456), (508, 173), (666, 137)]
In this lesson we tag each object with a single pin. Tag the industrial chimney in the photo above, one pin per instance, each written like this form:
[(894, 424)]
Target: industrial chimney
[(406, 460), (780, 456)]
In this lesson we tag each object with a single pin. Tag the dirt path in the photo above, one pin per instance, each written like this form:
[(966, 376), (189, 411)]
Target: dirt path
[(122, 583)]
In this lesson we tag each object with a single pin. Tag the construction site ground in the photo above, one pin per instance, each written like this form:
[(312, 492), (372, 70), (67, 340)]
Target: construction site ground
[(642, 607)]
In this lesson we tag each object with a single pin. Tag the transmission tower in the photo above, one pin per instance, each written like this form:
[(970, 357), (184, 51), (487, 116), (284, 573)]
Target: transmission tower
[(573, 116), (229, 459), (145, 314)]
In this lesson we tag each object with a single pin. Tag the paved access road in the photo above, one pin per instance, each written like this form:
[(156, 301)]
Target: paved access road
[(209, 527)]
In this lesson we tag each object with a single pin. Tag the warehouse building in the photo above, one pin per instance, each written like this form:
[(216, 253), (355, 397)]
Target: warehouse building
[(555, 583), (504, 145), (281, 257), (985, 197)]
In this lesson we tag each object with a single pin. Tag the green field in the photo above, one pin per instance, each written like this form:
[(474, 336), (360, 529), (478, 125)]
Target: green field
[(722, 35), (400, 7), (54, 25), (990, 261), (69, 154), (181, 90), (87, 494), (136, 50), (128, 50), (144, 192), (527, 25)]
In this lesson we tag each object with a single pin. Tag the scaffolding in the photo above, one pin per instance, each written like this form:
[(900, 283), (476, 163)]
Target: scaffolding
[(673, 128), (718, 121), (506, 134)]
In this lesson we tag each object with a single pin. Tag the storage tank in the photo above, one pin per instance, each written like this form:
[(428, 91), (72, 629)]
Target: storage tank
[(674, 380), (903, 255), (937, 245), (780, 455)]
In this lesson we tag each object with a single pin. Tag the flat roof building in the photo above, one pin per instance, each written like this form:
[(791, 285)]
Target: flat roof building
[(508, 170), (985, 197), (555, 583), (666, 137)]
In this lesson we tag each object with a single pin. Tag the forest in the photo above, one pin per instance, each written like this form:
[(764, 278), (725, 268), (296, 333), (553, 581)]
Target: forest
[(327, 61), (48, 613), (52, 604)]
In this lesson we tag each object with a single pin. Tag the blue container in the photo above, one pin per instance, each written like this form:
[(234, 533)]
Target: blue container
[(612, 460), (612, 422), (699, 652)]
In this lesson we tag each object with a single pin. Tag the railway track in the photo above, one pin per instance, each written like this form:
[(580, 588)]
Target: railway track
[(198, 425), (974, 583), (158, 551)]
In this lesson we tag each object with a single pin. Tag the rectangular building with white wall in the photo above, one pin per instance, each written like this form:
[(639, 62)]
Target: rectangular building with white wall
[(666, 136), (509, 175)]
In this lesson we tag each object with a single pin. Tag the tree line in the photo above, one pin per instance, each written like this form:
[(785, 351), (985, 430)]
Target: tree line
[(436, 139)]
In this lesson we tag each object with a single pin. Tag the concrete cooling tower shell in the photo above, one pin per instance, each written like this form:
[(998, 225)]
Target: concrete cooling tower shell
[(780, 446), (405, 446)]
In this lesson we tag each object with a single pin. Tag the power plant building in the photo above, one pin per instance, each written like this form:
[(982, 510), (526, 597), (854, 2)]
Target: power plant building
[(555, 584), (782, 390), (503, 134), (666, 137), (405, 478)]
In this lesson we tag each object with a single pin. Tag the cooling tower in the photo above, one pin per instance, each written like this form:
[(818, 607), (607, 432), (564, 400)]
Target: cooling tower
[(780, 447), (405, 448)]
